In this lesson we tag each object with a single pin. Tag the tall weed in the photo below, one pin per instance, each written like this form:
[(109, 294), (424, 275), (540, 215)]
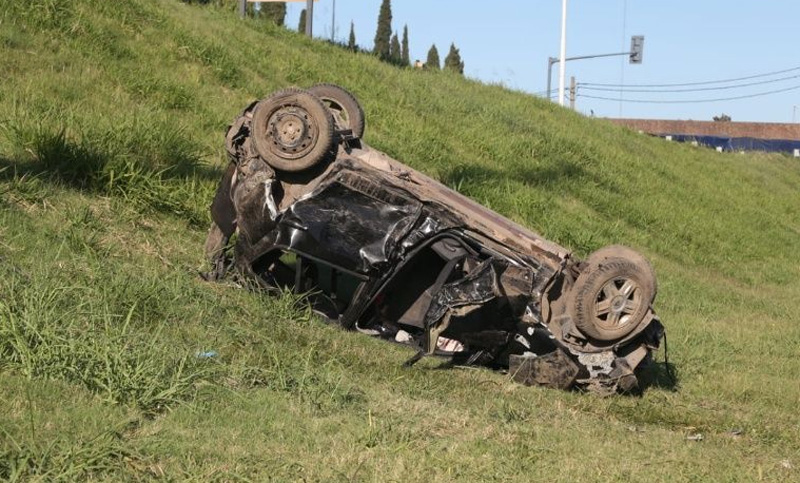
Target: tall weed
[(44, 332)]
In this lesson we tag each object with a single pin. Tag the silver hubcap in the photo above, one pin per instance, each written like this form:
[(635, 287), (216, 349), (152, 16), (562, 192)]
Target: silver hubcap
[(617, 302)]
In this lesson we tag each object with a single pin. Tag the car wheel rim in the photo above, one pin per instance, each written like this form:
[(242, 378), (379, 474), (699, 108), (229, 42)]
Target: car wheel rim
[(617, 304), (338, 112), (292, 132)]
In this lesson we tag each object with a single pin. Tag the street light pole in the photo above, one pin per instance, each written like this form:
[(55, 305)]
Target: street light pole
[(550, 62), (333, 22), (562, 67), (310, 18)]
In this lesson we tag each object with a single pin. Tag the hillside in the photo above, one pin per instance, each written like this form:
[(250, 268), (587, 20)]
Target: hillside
[(118, 363)]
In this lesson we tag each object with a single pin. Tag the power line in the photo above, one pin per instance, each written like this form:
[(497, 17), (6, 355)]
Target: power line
[(590, 87), (646, 101), (545, 93), (687, 84)]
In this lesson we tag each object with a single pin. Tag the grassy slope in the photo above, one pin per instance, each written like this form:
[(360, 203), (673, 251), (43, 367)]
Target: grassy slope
[(111, 116)]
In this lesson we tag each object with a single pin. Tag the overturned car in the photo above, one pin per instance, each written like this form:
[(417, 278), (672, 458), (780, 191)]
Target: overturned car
[(385, 250)]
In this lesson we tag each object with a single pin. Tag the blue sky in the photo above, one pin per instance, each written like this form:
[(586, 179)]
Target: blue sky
[(685, 41)]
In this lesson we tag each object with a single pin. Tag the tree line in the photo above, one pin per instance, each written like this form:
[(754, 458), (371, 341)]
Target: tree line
[(388, 47)]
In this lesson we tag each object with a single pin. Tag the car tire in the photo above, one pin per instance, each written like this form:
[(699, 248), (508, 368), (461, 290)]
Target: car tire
[(611, 296), (293, 130), (621, 251), (345, 108)]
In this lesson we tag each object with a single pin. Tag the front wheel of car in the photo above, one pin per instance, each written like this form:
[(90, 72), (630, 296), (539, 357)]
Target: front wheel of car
[(611, 296), (293, 130)]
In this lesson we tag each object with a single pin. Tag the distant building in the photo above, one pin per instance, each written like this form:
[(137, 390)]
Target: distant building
[(725, 136)]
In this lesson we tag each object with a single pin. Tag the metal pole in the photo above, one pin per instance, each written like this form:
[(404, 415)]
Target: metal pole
[(622, 69), (562, 68), (794, 111), (572, 89), (309, 18), (242, 8), (553, 60), (333, 22), (581, 57)]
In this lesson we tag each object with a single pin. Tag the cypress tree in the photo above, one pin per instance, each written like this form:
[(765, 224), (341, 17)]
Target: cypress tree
[(453, 60), (433, 58), (273, 11), (405, 57), (395, 55), (301, 27), (351, 42), (384, 33)]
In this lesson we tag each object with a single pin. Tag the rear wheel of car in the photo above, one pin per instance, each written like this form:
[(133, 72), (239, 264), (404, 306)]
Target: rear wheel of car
[(345, 108), (293, 130), (611, 296), (621, 251)]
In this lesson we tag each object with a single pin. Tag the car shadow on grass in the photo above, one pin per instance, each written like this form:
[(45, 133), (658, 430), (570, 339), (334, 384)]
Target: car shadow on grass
[(658, 375)]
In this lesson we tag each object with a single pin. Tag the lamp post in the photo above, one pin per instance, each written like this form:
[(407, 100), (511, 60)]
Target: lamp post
[(310, 18), (562, 66), (333, 22)]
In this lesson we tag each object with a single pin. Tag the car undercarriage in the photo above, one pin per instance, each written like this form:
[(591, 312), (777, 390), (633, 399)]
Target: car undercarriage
[(380, 248)]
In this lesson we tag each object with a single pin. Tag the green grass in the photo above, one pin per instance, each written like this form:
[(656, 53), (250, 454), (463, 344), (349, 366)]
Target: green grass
[(111, 122)]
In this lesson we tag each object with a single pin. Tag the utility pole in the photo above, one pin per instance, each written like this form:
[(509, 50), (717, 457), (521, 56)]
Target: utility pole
[(242, 8), (572, 89), (562, 71), (333, 22), (794, 112), (310, 18)]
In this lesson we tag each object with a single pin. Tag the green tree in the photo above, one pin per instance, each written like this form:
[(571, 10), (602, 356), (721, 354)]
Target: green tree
[(433, 58), (301, 26), (249, 9), (395, 55), (384, 33), (405, 57), (351, 42), (453, 60), (274, 11)]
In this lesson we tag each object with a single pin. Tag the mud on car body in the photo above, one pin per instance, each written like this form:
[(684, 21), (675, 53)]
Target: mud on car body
[(388, 251)]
